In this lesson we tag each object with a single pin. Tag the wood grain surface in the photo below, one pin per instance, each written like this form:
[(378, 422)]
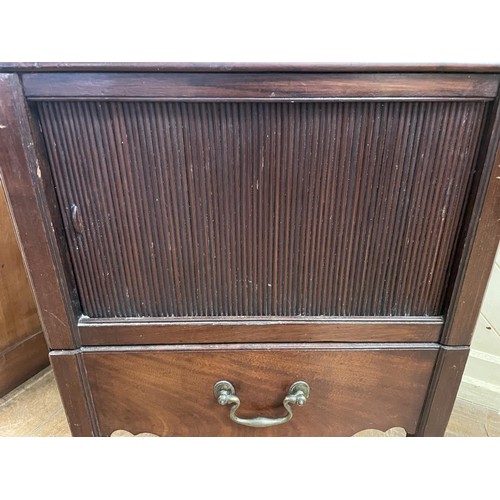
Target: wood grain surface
[(258, 86), (21, 164), (18, 316), (137, 331), (169, 392), (35, 409), (23, 351), (73, 388), (443, 390), (22, 360)]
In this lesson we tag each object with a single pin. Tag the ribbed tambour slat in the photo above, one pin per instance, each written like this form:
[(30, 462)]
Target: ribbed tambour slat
[(262, 209)]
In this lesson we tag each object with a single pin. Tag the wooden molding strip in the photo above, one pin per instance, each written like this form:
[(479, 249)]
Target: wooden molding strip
[(278, 346), (258, 86), (266, 67), (133, 331)]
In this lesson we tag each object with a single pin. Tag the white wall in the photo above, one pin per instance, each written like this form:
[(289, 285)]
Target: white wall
[(481, 380)]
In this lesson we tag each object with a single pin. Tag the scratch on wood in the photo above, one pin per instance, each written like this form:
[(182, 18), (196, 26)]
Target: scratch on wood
[(54, 316), (3, 126)]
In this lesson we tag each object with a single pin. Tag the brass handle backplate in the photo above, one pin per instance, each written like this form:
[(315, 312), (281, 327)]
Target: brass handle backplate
[(225, 394)]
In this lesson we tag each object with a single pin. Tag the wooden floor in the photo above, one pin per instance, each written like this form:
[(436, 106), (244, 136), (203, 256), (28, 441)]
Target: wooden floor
[(35, 409)]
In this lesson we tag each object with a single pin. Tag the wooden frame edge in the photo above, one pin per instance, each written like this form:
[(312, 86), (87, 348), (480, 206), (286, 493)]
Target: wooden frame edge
[(72, 382), (442, 393), (479, 245), (21, 171)]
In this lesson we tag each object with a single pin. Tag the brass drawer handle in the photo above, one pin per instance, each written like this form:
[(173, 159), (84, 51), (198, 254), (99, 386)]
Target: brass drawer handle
[(226, 395)]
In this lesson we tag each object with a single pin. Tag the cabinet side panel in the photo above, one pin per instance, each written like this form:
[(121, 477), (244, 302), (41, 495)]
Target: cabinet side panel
[(23, 351), (18, 316), (22, 361), (21, 167)]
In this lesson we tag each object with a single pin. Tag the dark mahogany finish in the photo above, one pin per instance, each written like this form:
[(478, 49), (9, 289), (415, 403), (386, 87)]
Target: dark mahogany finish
[(258, 86), (194, 209), (442, 392), (73, 387), (188, 209), (352, 388), (482, 232), (22, 161), (130, 331)]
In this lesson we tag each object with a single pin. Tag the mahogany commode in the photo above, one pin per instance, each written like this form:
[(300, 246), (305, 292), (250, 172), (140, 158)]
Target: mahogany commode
[(314, 238)]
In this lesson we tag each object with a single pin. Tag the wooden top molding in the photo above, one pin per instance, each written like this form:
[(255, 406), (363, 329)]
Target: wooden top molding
[(258, 86), (236, 67)]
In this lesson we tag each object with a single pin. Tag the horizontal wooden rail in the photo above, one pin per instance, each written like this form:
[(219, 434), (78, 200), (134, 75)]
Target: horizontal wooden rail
[(134, 331), (259, 86)]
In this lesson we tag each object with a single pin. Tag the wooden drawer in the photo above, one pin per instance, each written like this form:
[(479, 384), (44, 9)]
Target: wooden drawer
[(168, 391)]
